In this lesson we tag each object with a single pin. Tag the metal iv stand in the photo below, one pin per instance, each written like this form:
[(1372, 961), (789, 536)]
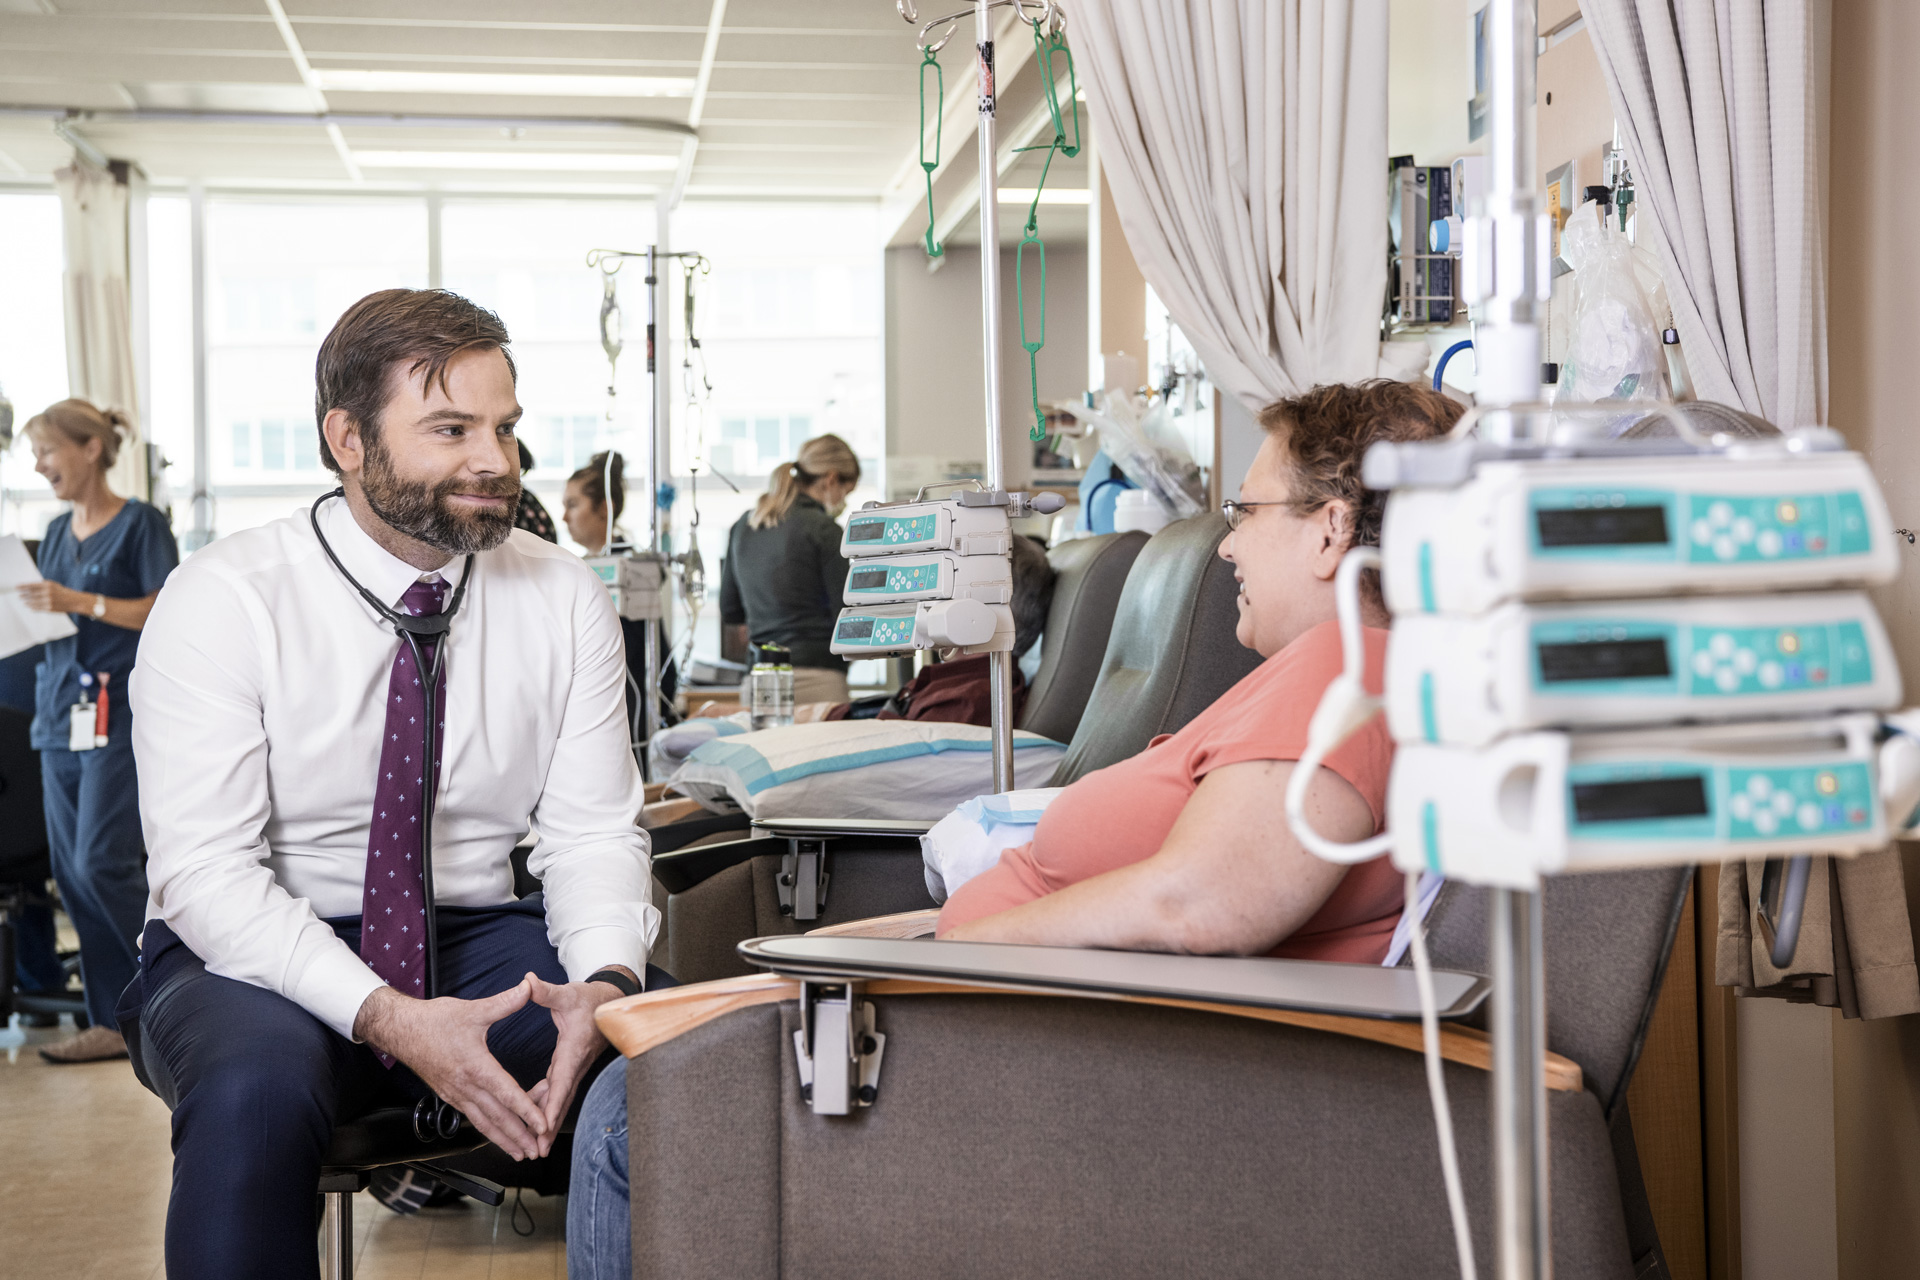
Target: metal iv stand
[(650, 696), (1509, 279), (999, 665)]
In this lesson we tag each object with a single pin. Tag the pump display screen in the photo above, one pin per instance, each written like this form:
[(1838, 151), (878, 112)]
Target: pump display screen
[(1641, 799), (1599, 526), (1604, 660), (854, 629), (867, 531), (867, 580)]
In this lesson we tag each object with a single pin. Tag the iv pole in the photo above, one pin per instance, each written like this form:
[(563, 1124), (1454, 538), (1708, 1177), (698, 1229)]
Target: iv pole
[(1000, 665), (656, 554), (1510, 253)]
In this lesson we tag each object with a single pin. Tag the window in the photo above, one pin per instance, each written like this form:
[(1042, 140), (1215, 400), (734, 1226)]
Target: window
[(33, 352), (526, 260), (279, 273)]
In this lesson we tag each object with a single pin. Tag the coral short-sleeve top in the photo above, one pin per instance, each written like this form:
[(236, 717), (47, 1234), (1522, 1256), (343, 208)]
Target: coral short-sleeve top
[(1122, 814)]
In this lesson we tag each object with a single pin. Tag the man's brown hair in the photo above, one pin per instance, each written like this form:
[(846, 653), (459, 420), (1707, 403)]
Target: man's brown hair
[(1327, 431), (427, 327)]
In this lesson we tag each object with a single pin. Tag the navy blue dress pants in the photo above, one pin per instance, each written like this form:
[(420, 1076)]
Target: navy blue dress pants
[(256, 1083), (92, 804)]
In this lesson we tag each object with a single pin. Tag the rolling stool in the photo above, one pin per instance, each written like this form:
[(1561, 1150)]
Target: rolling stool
[(419, 1138)]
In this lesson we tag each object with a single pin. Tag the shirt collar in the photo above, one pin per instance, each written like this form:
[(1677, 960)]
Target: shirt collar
[(377, 569)]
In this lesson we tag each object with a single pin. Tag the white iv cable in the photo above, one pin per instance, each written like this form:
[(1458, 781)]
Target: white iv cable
[(1344, 707), (1437, 1081)]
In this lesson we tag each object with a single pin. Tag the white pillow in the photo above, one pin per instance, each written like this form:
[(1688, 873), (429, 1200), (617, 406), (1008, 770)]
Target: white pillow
[(971, 838), (910, 769)]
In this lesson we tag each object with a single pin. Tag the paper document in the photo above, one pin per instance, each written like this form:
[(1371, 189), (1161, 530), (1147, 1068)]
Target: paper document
[(21, 627)]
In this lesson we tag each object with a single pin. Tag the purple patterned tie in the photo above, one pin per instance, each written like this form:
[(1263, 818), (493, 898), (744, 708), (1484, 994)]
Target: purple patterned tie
[(393, 939)]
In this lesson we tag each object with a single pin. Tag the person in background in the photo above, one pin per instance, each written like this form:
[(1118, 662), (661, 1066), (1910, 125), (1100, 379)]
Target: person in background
[(957, 691), (531, 515), (102, 562), (584, 507), (591, 493), (783, 576)]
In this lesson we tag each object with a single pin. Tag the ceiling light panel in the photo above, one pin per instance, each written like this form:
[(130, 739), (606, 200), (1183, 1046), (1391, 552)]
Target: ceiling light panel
[(520, 161), (373, 80)]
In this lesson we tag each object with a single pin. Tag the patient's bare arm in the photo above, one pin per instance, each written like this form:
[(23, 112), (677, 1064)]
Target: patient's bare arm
[(1230, 879)]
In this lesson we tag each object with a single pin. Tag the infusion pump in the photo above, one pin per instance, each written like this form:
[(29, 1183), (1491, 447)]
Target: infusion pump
[(1471, 680), (1616, 654), (1543, 803), (1635, 526), (927, 575)]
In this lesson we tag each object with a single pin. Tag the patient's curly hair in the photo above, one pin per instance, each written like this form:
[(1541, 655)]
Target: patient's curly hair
[(1327, 431)]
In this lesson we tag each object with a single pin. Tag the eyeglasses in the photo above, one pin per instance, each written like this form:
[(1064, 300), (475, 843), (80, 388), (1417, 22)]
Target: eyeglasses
[(1237, 512)]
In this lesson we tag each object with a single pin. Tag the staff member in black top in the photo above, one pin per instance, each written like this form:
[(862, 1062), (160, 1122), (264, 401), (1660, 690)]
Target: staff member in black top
[(783, 575)]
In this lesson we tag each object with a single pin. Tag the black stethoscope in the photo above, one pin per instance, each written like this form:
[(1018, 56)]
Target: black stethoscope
[(431, 1116)]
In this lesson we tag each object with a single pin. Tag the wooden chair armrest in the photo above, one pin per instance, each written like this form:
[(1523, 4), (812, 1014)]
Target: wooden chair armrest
[(655, 791), (646, 1021), (907, 924)]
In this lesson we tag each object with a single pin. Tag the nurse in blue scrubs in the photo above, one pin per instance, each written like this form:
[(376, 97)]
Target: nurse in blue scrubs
[(102, 563)]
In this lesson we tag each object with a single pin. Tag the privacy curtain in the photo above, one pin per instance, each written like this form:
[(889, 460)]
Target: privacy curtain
[(1715, 101), (1246, 145), (99, 312)]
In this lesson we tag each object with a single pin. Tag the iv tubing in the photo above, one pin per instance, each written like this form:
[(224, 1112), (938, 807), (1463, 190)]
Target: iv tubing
[(1344, 707), (1440, 370), (1437, 1080)]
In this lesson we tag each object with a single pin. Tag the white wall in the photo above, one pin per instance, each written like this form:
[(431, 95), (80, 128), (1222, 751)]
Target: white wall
[(935, 381), (1429, 79)]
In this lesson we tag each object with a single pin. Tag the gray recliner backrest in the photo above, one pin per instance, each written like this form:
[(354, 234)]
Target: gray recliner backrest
[(1172, 652), (1089, 575), (1607, 939)]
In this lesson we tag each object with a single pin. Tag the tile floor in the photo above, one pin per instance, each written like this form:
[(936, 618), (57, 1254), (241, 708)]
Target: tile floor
[(86, 1172)]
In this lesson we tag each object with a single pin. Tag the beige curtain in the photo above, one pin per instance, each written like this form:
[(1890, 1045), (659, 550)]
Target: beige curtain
[(1246, 145), (1714, 99), (99, 313)]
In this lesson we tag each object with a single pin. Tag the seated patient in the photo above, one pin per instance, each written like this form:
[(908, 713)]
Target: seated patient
[(280, 732), (1186, 847)]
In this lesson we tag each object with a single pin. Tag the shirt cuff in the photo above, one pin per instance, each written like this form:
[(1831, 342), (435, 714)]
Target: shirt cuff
[(333, 986), (588, 951)]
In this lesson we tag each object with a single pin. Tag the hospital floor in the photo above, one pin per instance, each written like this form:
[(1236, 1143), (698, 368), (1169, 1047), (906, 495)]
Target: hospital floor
[(86, 1170)]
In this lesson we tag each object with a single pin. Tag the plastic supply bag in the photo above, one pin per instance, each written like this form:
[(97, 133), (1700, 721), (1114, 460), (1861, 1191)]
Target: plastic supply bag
[(1149, 452), (1614, 352)]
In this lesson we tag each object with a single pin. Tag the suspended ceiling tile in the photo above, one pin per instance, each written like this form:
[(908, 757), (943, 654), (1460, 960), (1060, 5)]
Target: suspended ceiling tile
[(138, 33), (669, 13), (383, 44), (291, 98)]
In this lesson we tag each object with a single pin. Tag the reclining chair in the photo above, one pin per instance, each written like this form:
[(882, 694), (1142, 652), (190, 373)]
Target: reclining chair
[(1018, 1111), (1171, 654), (1089, 574)]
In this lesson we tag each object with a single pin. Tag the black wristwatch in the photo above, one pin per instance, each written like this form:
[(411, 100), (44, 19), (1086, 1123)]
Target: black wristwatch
[(628, 987)]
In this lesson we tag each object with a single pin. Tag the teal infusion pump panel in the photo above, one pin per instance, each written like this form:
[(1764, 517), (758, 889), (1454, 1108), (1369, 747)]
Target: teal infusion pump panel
[(927, 526), (1541, 803), (1705, 658), (875, 629), (938, 575), (1636, 526)]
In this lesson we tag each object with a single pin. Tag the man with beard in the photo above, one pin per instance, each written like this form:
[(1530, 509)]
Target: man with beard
[(281, 745)]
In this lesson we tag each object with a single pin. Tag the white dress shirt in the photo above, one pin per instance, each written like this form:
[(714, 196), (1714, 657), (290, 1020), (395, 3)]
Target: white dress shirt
[(258, 704)]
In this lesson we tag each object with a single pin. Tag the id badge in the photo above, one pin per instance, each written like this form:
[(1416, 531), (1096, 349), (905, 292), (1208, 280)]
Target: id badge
[(80, 727)]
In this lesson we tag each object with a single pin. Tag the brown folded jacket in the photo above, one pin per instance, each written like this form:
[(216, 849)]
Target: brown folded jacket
[(1856, 940)]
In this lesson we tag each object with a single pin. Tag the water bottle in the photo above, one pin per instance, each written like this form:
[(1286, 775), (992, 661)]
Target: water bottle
[(770, 686)]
